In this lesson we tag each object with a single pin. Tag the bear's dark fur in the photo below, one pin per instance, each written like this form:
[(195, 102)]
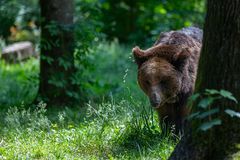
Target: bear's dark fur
[(167, 72)]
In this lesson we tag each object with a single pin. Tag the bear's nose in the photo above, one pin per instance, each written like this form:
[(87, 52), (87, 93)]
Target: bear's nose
[(155, 99)]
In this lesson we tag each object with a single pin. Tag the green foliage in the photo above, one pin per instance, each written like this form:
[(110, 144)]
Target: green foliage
[(141, 21), (20, 13), (87, 36), (232, 113), (7, 17), (19, 82), (23, 35), (208, 112), (129, 21), (207, 125), (112, 72)]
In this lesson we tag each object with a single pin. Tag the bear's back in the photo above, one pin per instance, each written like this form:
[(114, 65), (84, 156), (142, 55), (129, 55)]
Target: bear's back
[(185, 36), (193, 32)]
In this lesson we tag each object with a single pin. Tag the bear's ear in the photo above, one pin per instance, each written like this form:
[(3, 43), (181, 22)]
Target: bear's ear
[(169, 52), (179, 58), (139, 56), (181, 54), (175, 54)]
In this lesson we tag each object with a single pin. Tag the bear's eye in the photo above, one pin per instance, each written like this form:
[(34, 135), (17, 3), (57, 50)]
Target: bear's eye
[(147, 83), (163, 84)]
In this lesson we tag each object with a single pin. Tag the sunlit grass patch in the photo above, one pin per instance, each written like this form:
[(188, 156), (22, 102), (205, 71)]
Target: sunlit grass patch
[(109, 131)]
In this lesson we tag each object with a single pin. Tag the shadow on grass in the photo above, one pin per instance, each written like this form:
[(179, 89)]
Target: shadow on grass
[(144, 142)]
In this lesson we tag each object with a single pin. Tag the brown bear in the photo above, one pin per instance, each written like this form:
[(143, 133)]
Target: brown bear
[(167, 73)]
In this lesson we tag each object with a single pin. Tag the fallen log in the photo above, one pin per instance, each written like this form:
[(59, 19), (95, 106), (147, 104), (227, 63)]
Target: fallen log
[(18, 52)]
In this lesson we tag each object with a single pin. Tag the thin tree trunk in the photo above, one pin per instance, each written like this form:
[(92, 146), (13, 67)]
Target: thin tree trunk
[(57, 62), (219, 68)]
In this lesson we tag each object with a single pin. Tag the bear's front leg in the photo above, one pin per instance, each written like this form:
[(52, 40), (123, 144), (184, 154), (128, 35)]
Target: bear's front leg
[(166, 118), (181, 113)]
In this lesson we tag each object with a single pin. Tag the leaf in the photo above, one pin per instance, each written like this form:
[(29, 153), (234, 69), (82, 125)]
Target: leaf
[(191, 116), (232, 113), (205, 102), (160, 9), (212, 91), (208, 113), (65, 63), (228, 95), (194, 97), (207, 125)]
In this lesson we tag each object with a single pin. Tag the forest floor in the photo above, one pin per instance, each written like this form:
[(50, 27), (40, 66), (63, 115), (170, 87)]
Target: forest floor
[(121, 125)]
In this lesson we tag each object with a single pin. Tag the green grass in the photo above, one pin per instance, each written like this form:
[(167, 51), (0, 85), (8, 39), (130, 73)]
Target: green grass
[(18, 82), (122, 126), (109, 131)]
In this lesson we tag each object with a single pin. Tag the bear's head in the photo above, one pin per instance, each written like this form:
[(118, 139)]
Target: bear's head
[(159, 72)]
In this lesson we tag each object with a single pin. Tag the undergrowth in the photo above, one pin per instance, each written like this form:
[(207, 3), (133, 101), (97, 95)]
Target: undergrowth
[(18, 82), (98, 131)]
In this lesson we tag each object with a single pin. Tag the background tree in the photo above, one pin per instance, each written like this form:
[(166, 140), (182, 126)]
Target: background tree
[(57, 60), (7, 17), (219, 68)]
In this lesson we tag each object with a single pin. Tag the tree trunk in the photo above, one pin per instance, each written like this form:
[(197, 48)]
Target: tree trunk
[(219, 68), (57, 61)]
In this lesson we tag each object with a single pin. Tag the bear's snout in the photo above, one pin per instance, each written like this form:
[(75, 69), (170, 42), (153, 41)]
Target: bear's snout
[(155, 99)]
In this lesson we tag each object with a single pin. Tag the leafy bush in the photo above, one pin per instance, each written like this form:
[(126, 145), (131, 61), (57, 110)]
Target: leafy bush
[(23, 35), (141, 21), (18, 118), (208, 112), (111, 73), (19, 82)]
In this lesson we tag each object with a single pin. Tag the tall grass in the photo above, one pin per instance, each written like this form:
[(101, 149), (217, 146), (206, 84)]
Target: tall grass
[(99, 131)]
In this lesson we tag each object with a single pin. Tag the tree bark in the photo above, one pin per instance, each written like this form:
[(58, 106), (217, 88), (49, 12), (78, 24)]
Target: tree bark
[(57, 61), (219, 68)]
